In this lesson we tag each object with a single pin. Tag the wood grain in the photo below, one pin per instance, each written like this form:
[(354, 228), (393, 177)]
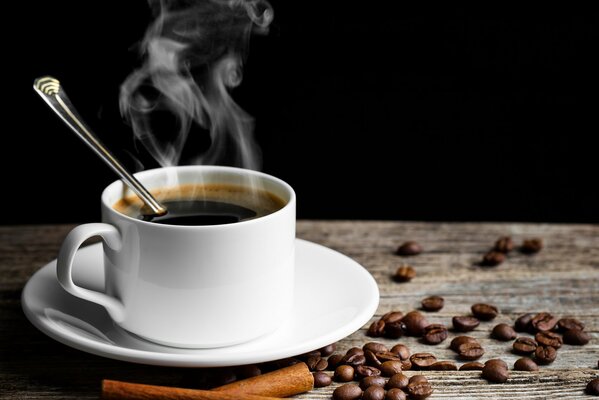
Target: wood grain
[(562, 279)]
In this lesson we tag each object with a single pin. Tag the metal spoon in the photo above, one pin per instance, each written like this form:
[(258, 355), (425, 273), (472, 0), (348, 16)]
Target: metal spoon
[(53, 94)]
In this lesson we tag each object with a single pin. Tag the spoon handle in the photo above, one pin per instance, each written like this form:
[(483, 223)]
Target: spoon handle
[(53, 94)]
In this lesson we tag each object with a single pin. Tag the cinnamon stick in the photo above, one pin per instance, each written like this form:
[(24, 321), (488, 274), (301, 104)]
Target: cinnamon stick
[(284, 382)]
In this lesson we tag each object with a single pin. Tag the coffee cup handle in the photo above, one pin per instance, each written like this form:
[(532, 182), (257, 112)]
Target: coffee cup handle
[(64, 266)]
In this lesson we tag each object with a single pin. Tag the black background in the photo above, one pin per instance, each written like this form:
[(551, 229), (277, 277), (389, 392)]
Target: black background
[(369, 111)]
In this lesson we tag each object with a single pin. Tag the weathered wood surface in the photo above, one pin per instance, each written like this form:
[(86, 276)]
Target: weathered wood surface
[(563, 279)]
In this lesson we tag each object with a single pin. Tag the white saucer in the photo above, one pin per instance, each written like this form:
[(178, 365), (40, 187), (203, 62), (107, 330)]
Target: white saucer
[(334, 297)]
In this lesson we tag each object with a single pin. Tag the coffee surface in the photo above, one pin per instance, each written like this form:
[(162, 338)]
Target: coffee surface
[(210, 204)]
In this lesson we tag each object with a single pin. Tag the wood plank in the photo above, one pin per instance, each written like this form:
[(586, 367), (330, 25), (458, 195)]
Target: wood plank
[(563, 279)]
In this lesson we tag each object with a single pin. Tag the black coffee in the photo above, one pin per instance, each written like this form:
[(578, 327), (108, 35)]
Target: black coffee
[(211, 204)]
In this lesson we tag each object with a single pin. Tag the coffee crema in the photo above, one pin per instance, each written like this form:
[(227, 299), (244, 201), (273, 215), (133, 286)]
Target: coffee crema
[(204, 204)]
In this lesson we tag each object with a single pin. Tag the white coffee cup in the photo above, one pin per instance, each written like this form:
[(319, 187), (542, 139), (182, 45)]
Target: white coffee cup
[(192, 286)]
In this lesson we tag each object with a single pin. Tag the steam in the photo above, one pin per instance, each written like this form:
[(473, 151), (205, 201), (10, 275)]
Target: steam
[(193, 55)]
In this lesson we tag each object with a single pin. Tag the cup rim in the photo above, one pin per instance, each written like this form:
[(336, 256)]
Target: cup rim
[(139, 175)]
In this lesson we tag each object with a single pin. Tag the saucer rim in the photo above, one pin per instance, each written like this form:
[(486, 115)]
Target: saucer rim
[(195, 359)]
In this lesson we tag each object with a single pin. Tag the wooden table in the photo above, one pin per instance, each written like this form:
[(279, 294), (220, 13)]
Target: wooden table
[(562, 279)]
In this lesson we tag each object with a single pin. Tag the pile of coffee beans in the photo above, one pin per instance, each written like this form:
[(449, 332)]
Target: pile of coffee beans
[(505, 245)]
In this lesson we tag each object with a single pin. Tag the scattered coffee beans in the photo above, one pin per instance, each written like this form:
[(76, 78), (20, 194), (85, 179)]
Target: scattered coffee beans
[(496, 361), (504, 244), (576, 337), (395, 330), (371, 359), (522, 323), (484, 312), (458, 340), (372, 381), (419, 388), (354, 350), (503, 332), (363, 371), (390, 368), (525, 364), (433, 303), (465, 324), (543, 322), (415, 323), (470, 351), (375, 347), (545, 354), (492, 259), (443, 366), (401, 351), (404, 273), (321, 379), (472, 366), (344, 373), (547, 338), (565, 324), (387, 356), (392, 316), (593, 387), (334, 360), (376, 329), (327, 350), (422, 360), (410, 248), (434, 334), (349, 391), (531, 246), (395, 394), (354, 359), (524, 345), (399, 381), (495, 372), (374, 393)]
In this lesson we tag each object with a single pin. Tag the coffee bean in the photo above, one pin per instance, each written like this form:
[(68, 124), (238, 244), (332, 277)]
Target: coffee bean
[(321, 365), (547, 338), (524, 345), (327, 350), (434, 333), (390, 368), (495, 373), (470, 351), (374, 347), (349, 391), (472, 366), (395, 330), (344, 373), (576, 337), (247, 371), (374, 393), (354, 350), (443, 366), (531, 246), (395, 394), (406, 365), (387, 356), (415, 323), (362, 371), (422, 360), (376, 329), (354, 359), (525, 364), (496, 361), (465, 324), (404, 273), (419, 388), (504, 244), (401, 351), (305, 356), (458, 340), (593, 387), (399, 381), (410, 248), (321, 379), (392, 316), (312, 361), (522, 323), (418, 378), (334, 360), (545, 354), (372, 381), (433, 303), (371, 359), (543, 322), (492, 259), (565, 324), (484, 312), (503, 332)]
